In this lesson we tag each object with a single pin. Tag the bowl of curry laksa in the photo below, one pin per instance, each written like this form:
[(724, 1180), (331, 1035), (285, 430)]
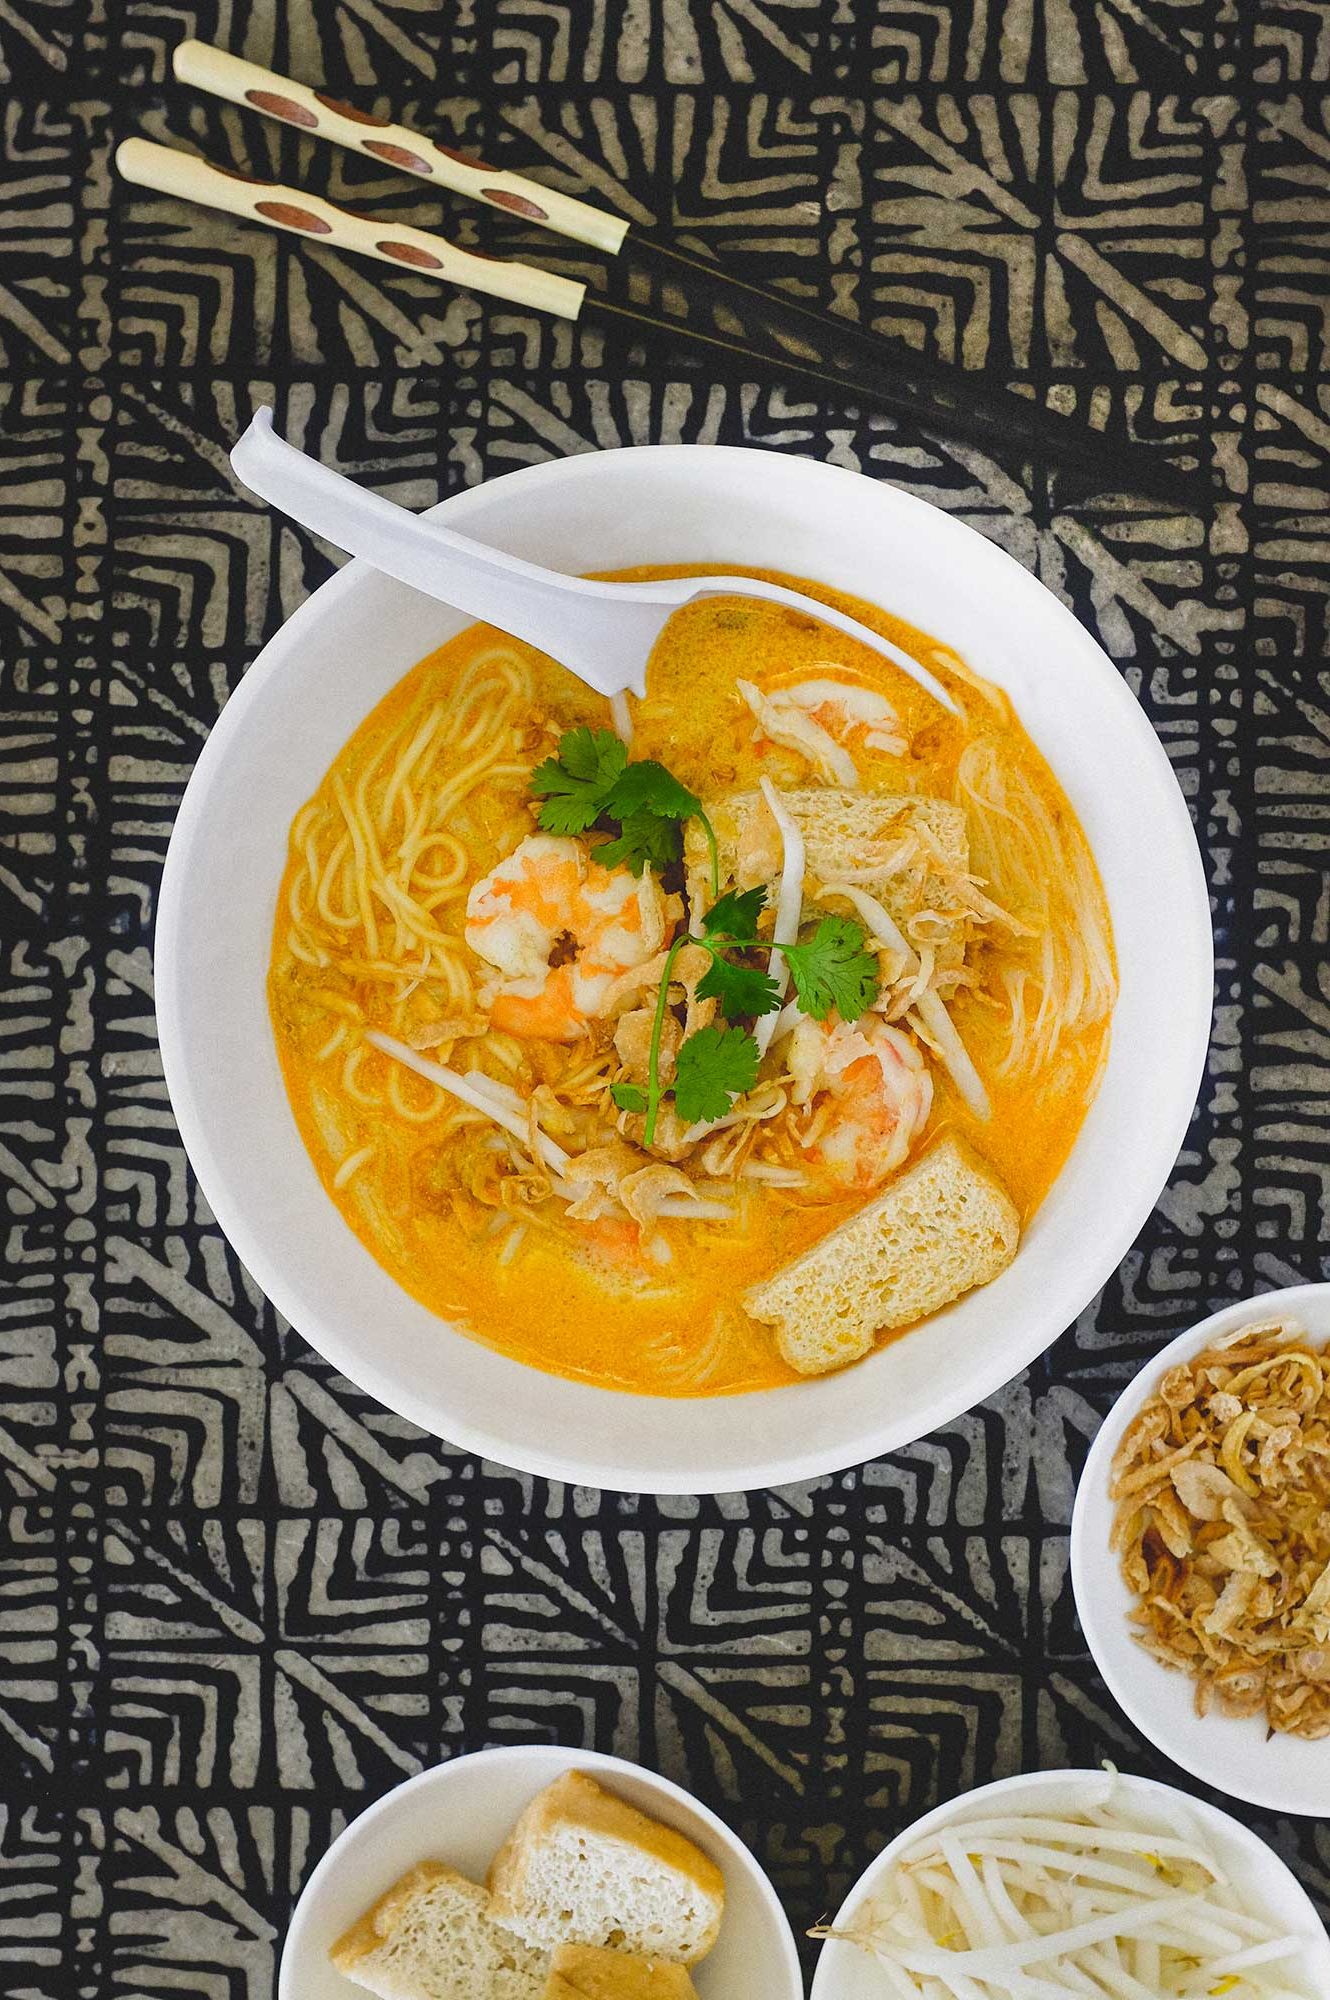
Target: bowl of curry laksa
[(714, 1097)]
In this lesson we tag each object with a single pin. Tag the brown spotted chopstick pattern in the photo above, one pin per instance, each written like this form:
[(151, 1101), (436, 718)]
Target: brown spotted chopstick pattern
[(205, 67)]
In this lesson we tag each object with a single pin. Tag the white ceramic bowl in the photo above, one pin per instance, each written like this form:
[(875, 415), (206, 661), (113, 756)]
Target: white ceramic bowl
[(1229, 1753), (355, 637), (1268, 1888), (460, 1813)]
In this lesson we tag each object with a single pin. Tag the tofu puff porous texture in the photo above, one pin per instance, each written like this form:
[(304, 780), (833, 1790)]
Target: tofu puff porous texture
[(499, 897)]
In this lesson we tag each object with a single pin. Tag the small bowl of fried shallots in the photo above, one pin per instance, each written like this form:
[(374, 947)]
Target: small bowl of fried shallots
[(1200, 1550)]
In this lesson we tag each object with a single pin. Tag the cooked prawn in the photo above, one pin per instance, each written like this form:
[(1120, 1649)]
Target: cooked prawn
[(571, 940), (869, 1094), (819, 717)]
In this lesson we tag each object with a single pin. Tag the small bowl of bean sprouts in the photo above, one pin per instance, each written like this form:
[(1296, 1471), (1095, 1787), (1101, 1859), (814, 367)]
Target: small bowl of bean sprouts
[(1075, 1882)]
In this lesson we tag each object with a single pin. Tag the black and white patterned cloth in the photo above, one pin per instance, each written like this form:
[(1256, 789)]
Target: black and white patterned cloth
[(238, 1600)]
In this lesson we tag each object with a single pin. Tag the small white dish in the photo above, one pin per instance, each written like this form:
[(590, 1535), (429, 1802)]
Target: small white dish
[(1271, 1890), (319, 677), (1233, 1754), (460, 1813)]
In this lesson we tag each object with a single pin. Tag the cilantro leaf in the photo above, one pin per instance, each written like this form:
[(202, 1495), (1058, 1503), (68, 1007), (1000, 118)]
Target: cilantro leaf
[(591, 781), (643, 841), (712, 1068), (647, 787), (834, 969), (596, 756), (742, 990), (734, 915), (568, 812), (628, 1096), (576, 784)]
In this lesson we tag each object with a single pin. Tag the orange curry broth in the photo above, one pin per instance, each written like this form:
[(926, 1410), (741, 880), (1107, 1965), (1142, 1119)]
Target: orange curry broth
[(686, 1334)]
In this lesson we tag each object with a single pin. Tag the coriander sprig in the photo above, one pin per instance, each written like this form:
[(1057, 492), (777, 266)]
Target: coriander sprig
[(833, 968), (576, 783), (591, 782)]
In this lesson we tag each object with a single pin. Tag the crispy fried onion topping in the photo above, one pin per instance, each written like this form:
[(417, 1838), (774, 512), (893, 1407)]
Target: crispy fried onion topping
[(1222, 1526)]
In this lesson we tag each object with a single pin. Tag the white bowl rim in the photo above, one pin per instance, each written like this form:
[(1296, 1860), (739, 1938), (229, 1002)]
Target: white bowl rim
[(591, 1465), (736, 1851), (959, 1808), (1092, 1514)]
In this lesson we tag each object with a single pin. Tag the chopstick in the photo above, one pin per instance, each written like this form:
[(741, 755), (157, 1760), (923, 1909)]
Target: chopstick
[(244, 83), (168, 171), (739, 324), (749, 323)]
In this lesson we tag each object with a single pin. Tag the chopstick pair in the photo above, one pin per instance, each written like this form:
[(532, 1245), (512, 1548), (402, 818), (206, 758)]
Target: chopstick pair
[(693, 302)]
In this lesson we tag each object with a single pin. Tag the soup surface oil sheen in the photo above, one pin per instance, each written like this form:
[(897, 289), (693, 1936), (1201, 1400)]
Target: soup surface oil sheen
[(406, 1165)]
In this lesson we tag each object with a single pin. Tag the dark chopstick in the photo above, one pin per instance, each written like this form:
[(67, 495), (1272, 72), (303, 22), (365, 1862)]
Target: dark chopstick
[(694, 302), (885, 374)]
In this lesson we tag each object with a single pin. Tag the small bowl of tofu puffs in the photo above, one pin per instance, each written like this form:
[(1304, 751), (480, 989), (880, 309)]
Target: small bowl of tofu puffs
[(538, 1873)]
